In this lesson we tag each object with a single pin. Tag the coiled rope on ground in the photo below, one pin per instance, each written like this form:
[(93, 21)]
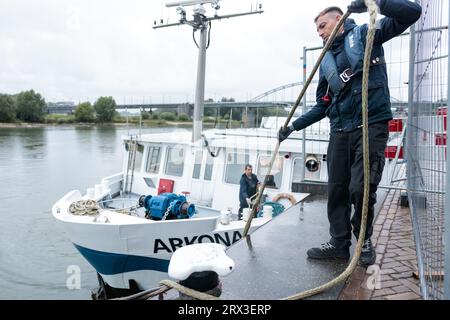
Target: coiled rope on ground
[(84, 208)]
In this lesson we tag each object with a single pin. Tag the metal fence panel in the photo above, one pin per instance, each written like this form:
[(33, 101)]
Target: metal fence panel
[(447, 211), (426, 143)]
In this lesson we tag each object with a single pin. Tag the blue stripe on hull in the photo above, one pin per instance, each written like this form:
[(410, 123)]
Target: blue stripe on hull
[(113, 263)]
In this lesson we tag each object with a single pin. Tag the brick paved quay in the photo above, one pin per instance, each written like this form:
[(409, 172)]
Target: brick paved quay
[(391, 278)]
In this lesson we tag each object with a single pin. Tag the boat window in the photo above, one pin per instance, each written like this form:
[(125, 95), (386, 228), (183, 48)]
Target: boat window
[(153, 160), (209, 167), (175, 161), (274, 180), (139, 156), (235, 167), (149, 182), (297, 171), (197, 164)]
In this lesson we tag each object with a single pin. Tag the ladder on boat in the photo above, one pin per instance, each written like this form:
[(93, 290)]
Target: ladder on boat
[(131, 163)]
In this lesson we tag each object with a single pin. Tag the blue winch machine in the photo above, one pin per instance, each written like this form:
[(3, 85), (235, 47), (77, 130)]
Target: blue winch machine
[(175, 205)]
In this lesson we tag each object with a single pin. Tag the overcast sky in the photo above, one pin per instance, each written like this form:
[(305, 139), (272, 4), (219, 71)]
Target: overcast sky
[(79, 50)]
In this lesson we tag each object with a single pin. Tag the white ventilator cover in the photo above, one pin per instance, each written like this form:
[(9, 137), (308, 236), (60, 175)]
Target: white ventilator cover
[(200, 257)]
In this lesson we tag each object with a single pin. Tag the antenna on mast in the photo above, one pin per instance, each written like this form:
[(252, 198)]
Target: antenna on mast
[(200, 22)]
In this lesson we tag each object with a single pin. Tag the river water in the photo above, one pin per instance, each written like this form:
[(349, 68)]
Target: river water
[(37, 167)]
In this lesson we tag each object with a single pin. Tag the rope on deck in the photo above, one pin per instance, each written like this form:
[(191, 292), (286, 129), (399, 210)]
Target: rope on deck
[(84, 208)]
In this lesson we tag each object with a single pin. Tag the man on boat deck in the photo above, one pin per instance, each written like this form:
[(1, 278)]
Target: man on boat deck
[(248, 186), (339, 97)]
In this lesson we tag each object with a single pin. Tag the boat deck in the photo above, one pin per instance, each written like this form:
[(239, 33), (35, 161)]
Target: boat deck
[(273, 264), (130, 201)]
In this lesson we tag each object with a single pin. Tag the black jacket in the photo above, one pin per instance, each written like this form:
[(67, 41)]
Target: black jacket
[(248, 188), (345, 109)]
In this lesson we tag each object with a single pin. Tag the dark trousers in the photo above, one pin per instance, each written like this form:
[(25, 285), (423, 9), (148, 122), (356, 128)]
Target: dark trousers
[(242, 206), (346, 180)]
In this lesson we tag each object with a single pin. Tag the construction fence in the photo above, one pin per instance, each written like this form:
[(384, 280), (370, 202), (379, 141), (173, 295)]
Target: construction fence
[(426, 146)]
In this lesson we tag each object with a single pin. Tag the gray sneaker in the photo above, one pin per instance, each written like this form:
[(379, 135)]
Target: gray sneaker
[(368, 254), (328, 251)]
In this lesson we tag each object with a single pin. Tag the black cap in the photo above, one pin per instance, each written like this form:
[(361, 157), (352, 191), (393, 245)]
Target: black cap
[(201, 281)]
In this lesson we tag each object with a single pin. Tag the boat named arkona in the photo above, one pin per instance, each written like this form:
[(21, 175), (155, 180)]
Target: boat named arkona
[(173, 192)]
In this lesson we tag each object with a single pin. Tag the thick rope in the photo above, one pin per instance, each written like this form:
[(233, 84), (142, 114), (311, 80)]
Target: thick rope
[(145, 295), (373, 10), (187, 291), (84, 208)]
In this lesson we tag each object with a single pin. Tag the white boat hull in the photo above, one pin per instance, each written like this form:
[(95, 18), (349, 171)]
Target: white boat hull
[(123, 248)]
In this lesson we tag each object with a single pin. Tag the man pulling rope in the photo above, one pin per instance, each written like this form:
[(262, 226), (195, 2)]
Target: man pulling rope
[(339, 98)]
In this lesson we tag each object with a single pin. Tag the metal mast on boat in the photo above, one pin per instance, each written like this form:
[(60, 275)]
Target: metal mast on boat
[(200, 22)]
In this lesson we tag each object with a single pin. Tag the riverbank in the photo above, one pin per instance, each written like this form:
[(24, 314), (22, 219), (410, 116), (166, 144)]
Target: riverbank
[(145, 124), (45, 125), (22, 125)]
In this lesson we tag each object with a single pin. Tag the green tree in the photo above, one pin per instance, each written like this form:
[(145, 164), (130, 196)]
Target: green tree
[(225, 111), (183, 117), (145, 115), (30, 106), (85, 112), (105, 108), (7, 108), (210, 112), (224, 99), (168, 116)]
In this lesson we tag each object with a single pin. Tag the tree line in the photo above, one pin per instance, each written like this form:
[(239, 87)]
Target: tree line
[(27, 106), (30, 106)]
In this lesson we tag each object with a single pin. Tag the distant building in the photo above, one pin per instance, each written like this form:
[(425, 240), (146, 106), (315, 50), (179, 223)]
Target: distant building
[(62, 107)]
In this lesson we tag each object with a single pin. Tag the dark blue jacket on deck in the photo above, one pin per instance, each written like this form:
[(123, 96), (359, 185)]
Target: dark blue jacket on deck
[(345, 109), (248, 188)]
